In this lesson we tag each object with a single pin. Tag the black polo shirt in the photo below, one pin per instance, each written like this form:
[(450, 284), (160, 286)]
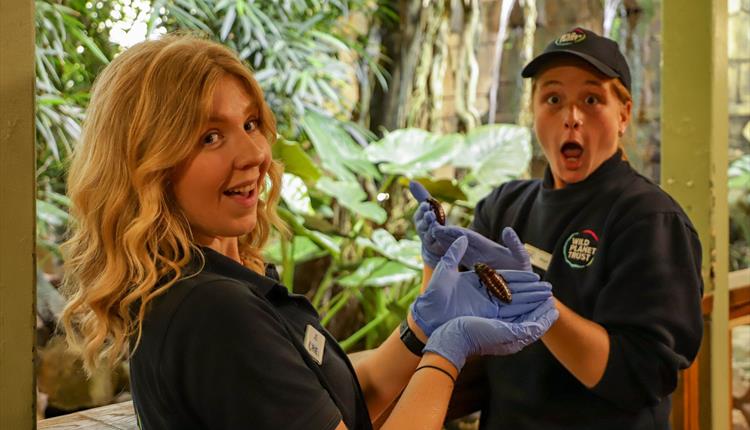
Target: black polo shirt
[(622, 253), (224, 350)]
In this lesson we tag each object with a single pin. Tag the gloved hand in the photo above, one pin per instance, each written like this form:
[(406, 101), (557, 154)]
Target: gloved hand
[(424, 220), (462, 337), (437, 238), (452, 294)]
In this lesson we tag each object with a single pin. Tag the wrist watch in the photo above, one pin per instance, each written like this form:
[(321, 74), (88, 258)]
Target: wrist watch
[(410, 339)]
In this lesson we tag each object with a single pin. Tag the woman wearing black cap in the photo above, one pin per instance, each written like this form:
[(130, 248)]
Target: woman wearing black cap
[(621, 255)]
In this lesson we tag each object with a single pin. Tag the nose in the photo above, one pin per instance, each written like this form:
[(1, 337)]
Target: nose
[(252, 151), (572, 118)]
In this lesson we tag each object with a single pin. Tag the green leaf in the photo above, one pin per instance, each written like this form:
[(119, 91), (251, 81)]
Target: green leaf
[(739, 173), (294, 193), (405, 251), (337, 150), (378, 272), (444, 190), (351, 196), (296, 160), (304, 250), (496, 153), (83, 38), (365, 269), (330, 40), (391, 273), (50, 214), (407, 143), (226, 25), (475, 193), (483, 140), (417, 152), (328, 243)]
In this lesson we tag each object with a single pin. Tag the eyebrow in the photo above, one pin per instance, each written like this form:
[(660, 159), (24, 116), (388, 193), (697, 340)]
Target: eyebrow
[(253, 106), (588, 82)]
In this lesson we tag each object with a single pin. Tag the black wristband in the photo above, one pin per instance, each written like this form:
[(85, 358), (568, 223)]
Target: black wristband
[(439, 369), (410, 339)]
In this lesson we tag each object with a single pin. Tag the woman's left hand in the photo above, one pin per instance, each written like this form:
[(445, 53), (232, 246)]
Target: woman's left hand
[(437, 238), (452, 294)]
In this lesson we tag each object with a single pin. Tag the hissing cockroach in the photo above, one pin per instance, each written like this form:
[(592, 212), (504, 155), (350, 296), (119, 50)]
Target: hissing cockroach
[(438, 209), (493, 281)]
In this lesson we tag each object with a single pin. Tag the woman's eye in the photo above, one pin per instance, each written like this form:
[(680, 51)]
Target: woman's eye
[(210, 138), (252, 125), (591, 100), (553, 100)]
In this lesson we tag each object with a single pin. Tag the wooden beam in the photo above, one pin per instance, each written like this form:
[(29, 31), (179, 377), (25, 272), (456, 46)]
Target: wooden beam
[(694, 170), (17, 218)]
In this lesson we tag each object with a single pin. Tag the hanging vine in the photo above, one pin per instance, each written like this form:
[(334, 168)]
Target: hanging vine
[(423, 97), (527, 52), (506, 6), (437, 75), (467, 68)]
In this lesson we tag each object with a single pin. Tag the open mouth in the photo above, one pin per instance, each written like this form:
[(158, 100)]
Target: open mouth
[(571, 150), (244, 192)]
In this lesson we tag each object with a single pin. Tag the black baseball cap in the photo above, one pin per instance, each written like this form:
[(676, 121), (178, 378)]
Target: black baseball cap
[(602, 53)]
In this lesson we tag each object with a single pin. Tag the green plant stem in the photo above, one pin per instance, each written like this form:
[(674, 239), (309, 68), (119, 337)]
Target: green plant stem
[(324, 309), (324, 286), (359, 334), (299, 229), (387, 181), (287, 262), (372, 325), (336, 307)]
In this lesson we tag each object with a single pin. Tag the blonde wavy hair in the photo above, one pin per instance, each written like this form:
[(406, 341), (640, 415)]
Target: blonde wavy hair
[(129, 241)]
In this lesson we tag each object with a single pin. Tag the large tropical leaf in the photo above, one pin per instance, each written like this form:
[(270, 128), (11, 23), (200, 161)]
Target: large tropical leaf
[(304, 250), (484, 141), (496, 153), (332, 244), (296, 160), (352, 196), (405, 251), (338, 152), (413, 152), (444, 190), (379, 272), (294, 193)]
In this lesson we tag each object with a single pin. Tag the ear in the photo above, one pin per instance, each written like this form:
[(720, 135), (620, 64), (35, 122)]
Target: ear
[(625, 115)]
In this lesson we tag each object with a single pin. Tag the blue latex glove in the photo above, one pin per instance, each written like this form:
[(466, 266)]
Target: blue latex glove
[(452, 294), (462, 337), (424, 220), (527, 290), (437, 238)]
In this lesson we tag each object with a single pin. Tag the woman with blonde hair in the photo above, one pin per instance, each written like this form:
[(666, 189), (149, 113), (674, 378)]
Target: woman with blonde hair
[(173, 193)]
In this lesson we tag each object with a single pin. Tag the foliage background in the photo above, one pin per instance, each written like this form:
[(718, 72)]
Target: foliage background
[(367, 94)]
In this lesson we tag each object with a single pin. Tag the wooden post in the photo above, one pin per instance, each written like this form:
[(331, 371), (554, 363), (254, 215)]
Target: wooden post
[(694, 171), (17, 218)]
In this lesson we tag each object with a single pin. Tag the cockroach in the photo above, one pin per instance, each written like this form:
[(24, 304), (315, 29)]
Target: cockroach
[(438, 209), (494, 282)]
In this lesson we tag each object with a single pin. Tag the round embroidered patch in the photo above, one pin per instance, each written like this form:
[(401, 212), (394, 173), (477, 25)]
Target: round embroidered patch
[(575, 36), (580, 248)]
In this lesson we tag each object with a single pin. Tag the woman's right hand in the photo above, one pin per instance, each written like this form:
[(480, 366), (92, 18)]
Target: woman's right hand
[(462, 337)]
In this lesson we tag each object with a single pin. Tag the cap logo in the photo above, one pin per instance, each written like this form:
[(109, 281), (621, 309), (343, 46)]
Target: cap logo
[(571, 37)]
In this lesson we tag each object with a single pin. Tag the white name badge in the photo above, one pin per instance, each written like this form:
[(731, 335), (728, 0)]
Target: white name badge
[(539, 258), (315, 343)]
